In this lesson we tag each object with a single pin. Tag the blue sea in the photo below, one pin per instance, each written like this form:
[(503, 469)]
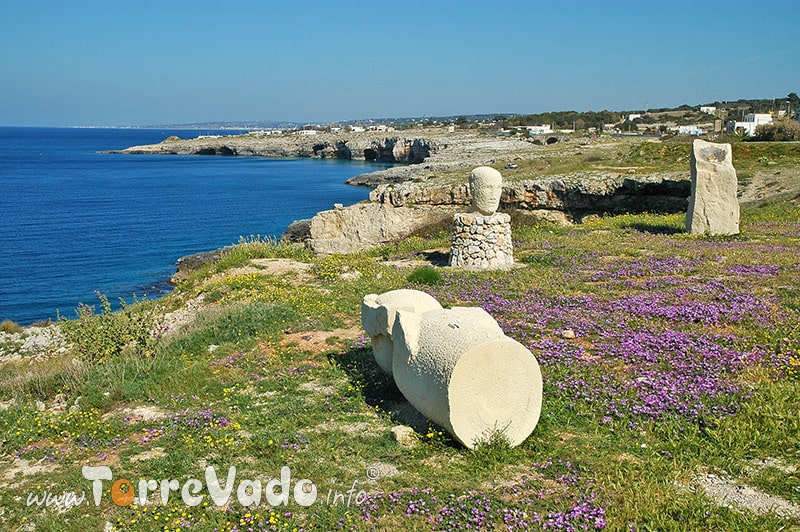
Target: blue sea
[(74, 221)]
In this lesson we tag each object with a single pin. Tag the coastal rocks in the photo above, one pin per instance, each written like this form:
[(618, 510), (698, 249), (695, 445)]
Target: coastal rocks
[(365, 225), (323, 146), (413, 194), (481, 242), (32, 343), (299, 231), (186, 265), (599, 194), (713, 206), (398, 150)]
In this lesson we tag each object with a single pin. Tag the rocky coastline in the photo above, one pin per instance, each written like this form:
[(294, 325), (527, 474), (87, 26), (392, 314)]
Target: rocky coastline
[(394, 149), (428, 185)]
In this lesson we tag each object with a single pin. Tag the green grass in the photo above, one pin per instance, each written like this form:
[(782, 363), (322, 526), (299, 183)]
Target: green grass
[(273, 373)]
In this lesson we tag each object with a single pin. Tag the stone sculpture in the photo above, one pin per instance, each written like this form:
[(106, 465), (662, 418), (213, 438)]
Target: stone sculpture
[(378, 314), (457, 367), (486, 185), (482, 237), (713, 206)]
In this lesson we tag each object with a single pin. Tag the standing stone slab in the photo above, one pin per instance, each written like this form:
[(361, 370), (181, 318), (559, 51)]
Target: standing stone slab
[(713, 207)]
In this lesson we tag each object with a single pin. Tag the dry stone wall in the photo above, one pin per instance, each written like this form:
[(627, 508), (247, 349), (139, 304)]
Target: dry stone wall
[(481, 242)]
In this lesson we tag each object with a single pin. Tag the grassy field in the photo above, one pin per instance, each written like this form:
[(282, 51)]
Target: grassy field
[(683, 376)]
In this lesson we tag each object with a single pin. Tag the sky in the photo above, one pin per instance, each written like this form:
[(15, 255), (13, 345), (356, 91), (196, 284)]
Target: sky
[(122, 63)]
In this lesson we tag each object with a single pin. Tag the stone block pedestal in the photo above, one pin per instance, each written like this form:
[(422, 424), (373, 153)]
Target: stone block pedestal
[(481, 242)]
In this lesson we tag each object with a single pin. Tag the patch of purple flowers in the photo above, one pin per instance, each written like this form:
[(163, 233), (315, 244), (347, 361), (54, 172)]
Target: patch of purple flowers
[(523, 504)]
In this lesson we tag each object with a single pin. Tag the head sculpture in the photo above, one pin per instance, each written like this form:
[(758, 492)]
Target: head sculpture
[(486, 185)]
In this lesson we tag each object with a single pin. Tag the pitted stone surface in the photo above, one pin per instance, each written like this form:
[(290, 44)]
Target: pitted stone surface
[(713, 205)]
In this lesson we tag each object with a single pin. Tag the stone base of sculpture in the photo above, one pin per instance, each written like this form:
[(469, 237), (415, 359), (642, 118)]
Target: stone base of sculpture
[(481, 242)]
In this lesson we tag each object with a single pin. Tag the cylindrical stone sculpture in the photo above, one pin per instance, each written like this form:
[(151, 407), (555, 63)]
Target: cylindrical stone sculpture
[(458, 368), (486, 186), (378, 313)]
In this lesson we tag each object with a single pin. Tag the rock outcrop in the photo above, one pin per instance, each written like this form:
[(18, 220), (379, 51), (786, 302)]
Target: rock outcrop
[(186, 265), (570, 194), (396, 211), (365, 225)]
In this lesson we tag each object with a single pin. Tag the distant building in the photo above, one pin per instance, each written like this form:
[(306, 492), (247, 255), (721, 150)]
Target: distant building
[(540, 130), (307, 132), (750, 123), (357, 129), (690, 130), (708, 109), (633, 116)]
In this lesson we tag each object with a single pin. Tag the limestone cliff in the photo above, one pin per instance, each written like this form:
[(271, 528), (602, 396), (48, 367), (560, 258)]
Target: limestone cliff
[(396, 211), (324, 146), (574, 194)]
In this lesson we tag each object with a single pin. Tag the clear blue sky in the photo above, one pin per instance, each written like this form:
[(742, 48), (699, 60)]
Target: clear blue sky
[(84, 62)]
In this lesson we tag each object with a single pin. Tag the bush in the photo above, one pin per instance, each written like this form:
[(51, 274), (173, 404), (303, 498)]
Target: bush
[(8, 326), (425, 275), (781, 129), (99, 336)]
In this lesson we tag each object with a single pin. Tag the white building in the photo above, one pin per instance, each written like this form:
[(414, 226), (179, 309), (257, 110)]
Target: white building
[(750, 123), (544, 129), (690, 130), (633, 116), (307, 132), (708, 109)]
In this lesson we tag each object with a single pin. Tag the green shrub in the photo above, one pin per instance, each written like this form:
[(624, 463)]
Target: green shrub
[(260, 247), (8, 326), (240, 324), (781, 129), (97, 337), (425, 275)]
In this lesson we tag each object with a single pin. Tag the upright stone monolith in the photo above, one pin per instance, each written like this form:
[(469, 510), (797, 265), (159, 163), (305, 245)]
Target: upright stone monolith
[(713, 207)]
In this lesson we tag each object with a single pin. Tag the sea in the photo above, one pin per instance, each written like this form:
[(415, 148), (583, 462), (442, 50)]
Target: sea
[(76, 222)]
